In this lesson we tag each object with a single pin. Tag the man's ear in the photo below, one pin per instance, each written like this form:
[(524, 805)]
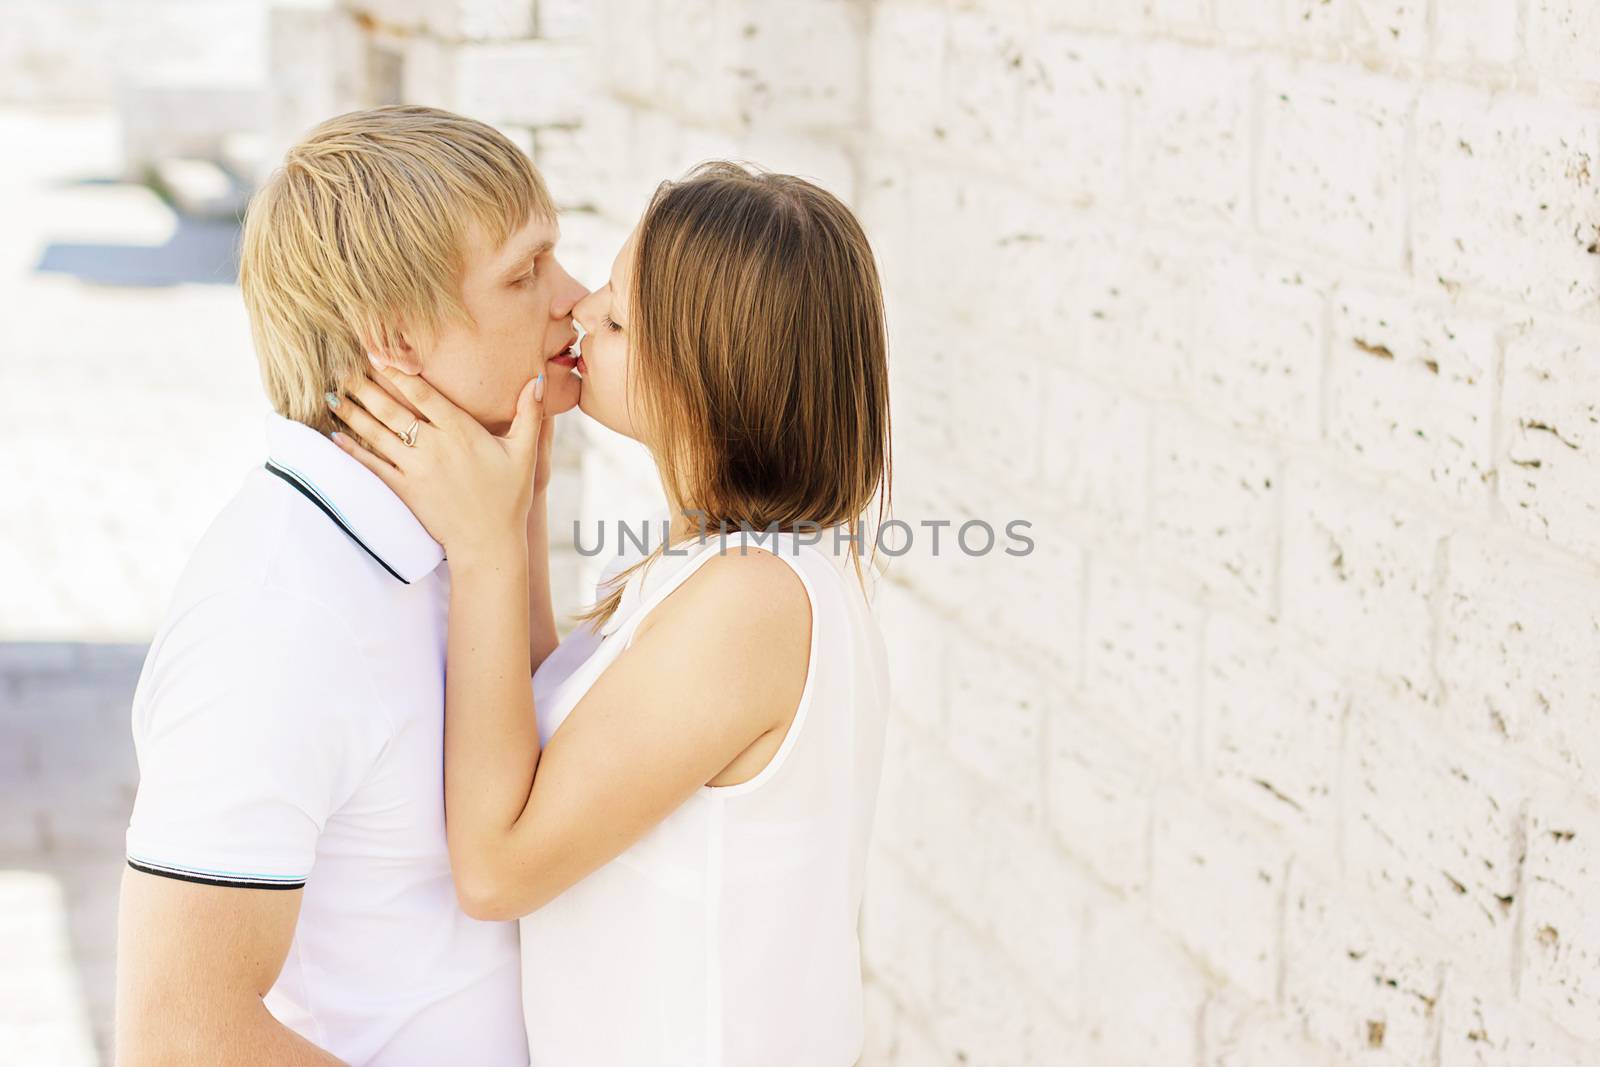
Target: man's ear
[(394, 349)]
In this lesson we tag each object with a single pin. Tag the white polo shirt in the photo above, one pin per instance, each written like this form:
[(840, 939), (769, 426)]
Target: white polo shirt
[(289, 725)]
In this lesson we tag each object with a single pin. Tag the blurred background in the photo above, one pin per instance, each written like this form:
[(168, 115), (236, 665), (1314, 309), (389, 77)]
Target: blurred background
[(1278, 319)]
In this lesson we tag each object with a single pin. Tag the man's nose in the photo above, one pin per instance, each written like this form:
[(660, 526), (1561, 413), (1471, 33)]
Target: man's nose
[(570, 293)]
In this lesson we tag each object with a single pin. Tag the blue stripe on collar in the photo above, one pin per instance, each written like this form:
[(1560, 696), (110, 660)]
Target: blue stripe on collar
[(309, 491)]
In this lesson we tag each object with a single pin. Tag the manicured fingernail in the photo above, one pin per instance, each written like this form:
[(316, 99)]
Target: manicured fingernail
[(372, 359), (332, 399), (538, 387), (338, 438)]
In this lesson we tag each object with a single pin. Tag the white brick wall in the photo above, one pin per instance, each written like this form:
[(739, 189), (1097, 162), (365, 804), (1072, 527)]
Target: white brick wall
[(1280, 320)]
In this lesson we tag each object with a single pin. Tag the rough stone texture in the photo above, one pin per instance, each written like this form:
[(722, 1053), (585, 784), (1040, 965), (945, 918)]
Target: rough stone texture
[(1224, 773)]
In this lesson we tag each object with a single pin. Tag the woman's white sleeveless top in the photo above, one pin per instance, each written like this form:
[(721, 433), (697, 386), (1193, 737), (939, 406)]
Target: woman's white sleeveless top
[(726, 937)]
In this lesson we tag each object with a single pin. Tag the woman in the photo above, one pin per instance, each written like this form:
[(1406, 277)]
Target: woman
[(681, 806)]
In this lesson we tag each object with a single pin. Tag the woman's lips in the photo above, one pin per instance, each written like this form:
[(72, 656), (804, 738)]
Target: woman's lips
[(566, 358)]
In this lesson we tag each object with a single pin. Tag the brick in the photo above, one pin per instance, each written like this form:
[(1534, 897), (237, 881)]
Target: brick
[(1141, 977), (1236, 1032), (1317, 20), (1359, 988), (1096, 448), (566, 19), (1142, 656), (917, 655), (917, 1048), (1074, 116), (533, 83), (1333, 161), (1262, 370), (882, 206), (982, 1012), (1482, 1029), (700, 73), (996, 227), (1564, 38), (1411, 391), (899, 929), (1358, 571), (905, 71), (1391, 28), (881, 1023), (1034, 907), (996, 720), (1258, 18), (1274, 732), (1082, 14), (1476, 31), (563, 156), (1038, 593), (1100, 784), (933, 499), (480, 19), (970, 556), (800, 65), (409, 14), (1218, 883), (319, 56), (1504, 195), (1175, 14), (930, 809), (1549, 482), (1214, 509), (1191, 134), (1140, 305), (984, 76), (1561, 946), (1433, 826), (632, 63), (1518, 642)]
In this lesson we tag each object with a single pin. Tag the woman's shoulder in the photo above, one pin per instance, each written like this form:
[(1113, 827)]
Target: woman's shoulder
[(741, 587)]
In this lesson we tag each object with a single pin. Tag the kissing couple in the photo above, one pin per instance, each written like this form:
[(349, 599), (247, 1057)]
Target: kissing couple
[(386, 813)]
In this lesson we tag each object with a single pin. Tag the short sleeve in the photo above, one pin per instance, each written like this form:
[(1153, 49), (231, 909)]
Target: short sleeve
[(253, 723)]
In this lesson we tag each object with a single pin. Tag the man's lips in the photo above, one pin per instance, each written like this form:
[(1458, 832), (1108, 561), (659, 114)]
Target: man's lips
[(567, 357)]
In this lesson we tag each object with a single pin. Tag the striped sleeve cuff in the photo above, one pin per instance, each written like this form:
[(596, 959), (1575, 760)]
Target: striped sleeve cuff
[(204, 876)]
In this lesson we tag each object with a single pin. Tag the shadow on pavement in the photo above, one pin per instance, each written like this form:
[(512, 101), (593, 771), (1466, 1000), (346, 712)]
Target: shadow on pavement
[(201, 251)]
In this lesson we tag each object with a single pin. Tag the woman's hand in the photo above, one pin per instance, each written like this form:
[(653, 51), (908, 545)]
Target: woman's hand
[(471, 489)]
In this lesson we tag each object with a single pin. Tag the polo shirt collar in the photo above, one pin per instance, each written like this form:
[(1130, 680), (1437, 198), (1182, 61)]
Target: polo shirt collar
[(352, 497)]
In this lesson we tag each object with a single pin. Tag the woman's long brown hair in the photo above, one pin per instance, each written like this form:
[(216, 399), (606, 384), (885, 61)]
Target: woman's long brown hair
[(760, 357)]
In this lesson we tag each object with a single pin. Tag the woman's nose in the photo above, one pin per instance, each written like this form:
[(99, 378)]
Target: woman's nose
[(578, 312)]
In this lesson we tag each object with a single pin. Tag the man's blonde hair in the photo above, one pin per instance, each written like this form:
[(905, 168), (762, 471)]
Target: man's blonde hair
[(362, 229)]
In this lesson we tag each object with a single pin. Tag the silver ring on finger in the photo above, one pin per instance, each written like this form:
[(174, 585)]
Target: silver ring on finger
[(409, 438)]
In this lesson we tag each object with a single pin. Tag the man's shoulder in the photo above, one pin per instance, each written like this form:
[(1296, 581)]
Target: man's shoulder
[(248, 584), (268, 547)]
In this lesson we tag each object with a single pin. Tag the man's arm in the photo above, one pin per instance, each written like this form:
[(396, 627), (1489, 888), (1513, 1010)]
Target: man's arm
[(193, 962)]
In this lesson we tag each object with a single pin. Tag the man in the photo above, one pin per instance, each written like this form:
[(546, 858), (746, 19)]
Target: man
[(288, 897)]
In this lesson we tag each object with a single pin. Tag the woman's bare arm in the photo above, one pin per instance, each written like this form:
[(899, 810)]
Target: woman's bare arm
[(672, 711), (718, 664)]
